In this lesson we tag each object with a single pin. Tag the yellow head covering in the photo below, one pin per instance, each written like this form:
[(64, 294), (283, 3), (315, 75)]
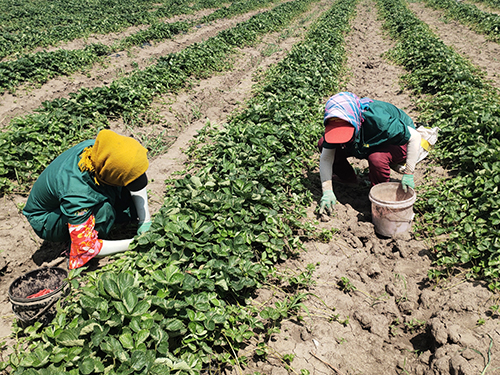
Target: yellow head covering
[(114, 159)]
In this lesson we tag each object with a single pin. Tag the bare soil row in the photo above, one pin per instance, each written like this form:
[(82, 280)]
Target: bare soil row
[(392, 320)]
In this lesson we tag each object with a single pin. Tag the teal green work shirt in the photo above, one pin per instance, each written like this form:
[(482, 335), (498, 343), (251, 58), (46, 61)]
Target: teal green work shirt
[(64, 194), (384, 123)]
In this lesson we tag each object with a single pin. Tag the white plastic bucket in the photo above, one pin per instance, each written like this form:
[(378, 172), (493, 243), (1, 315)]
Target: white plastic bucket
[(392, 208)]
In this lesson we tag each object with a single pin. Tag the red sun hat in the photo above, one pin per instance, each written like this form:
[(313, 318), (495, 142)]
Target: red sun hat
[(338, 131)]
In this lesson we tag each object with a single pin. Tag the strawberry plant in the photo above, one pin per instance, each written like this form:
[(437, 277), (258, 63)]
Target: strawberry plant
[(27, 25), (63, 122), (180, 301), (158, 31), (239, 7), (482, 22), (456, 98), (491, 3), (42, 66)]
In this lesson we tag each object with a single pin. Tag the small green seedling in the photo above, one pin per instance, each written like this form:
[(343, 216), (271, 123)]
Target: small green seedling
[(414, 325), (495, 308), (345, 285)]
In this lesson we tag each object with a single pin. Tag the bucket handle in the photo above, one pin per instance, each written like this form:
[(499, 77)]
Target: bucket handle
[(40, 313), (63, 292)]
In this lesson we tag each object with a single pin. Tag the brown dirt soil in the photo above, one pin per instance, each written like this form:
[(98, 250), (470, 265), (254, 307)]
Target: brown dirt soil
[(370, 307), (28, 98), (484, 7), (477, 48), (111, 38)]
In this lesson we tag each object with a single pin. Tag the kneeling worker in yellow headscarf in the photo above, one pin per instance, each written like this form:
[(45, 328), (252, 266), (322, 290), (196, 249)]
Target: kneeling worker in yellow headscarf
[(88, 188)]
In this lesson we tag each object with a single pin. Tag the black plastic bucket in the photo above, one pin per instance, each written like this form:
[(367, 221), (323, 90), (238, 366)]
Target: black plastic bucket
[(41, 309)]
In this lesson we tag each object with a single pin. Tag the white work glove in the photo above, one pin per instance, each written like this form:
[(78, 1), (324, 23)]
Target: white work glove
[(328, 199)]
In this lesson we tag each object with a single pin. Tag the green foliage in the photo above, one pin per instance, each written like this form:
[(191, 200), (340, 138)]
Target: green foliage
[(41, 66), (25, 25), (283, 309), (304, 279), (326, 235), (178, 301), (415, 325), (467, 110), (235, 8), (345, 285), (158, 31), (482, 22), (32, 142), (491, 3), (495, 309)]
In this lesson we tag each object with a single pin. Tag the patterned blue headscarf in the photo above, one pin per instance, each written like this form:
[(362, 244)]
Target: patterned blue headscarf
[(347, 106)]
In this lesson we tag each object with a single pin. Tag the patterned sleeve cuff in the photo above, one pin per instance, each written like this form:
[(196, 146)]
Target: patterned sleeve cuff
[(84, 243)]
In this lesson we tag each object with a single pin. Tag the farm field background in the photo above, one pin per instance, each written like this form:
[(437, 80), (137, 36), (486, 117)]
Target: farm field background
[(238, 264)]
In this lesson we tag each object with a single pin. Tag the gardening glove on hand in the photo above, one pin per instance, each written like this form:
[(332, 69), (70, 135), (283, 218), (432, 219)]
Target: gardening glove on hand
[(327, 202), (406, 181), (144, 227)]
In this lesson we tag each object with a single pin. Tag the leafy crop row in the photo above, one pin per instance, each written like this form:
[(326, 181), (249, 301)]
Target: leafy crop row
[(482, 22), (179, 302), (239, 7), (30, 143), (161, 31), (492, 3), (39, 67), (42, 66), (457, 99), (25, 25)]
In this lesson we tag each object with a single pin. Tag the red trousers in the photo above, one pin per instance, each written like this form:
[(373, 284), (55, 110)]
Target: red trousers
[(379, 161)]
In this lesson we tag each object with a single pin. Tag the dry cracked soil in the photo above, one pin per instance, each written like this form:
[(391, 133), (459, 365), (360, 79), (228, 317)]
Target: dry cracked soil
[(370, 307)]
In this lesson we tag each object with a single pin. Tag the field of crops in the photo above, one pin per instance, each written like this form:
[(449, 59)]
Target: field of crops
[(239, 274)]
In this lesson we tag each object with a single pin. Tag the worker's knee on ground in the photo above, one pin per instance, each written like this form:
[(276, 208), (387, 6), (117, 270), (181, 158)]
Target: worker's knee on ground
[(55, 228)]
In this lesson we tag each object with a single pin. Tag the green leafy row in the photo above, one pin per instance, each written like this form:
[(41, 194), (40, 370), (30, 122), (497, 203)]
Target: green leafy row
[(491, 3), (157, 32), (457, 100), (41, 66), (482, 22), (25, 25), (31, 142), (239, 7), (178, 304)]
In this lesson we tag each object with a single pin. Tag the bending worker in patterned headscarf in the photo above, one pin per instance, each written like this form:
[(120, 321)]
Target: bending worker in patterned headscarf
[(367, 129), (88, 188)]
